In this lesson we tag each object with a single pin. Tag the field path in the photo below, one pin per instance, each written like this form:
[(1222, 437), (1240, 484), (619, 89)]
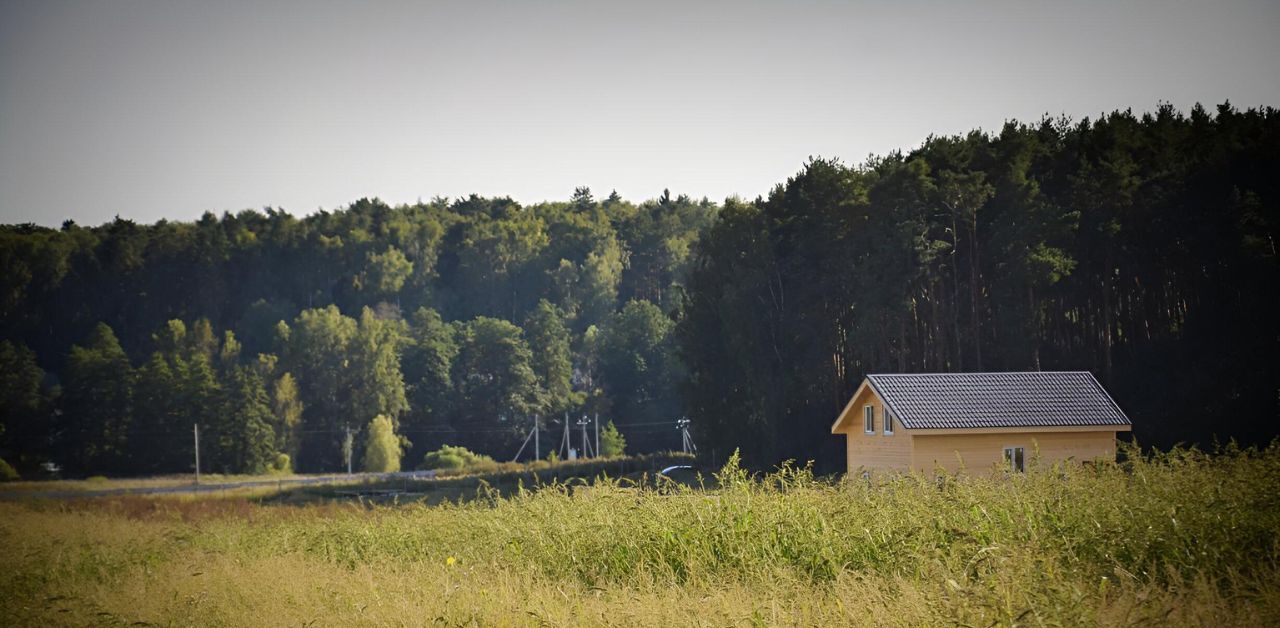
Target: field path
[(208, 488)]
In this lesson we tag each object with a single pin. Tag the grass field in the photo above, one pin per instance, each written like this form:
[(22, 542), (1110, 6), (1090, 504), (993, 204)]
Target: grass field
[(1183, 539)]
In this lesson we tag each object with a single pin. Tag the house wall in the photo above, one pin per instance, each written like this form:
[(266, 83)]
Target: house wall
[(980, 451), (875, 451)]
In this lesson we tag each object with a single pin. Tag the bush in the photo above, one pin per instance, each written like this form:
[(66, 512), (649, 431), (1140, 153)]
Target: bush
[(382, 447), (612, 443), (282, 465), (7, 472), (449, 457)]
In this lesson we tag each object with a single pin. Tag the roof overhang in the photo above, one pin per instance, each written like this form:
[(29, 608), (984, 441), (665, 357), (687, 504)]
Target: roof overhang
[(842, 420), (1021, 430)]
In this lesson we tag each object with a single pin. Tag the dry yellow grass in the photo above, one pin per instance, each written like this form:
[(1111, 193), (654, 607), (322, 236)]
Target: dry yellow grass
[(1183, 540)]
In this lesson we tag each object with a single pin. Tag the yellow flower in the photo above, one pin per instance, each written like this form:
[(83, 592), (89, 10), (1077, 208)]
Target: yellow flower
[(450, 560)]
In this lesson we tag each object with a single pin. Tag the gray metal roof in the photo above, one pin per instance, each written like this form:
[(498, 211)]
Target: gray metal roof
[(970, 400)]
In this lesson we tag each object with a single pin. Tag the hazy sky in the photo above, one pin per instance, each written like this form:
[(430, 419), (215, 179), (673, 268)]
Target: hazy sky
[(169, 109)]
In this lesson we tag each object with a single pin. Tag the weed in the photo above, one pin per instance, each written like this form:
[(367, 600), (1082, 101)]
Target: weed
[(1177, 538)]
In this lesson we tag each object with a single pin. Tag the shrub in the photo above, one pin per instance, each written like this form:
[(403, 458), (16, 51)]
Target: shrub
[(282, 465), (7, 472), (382, 447), (612, 442), (449, 457)]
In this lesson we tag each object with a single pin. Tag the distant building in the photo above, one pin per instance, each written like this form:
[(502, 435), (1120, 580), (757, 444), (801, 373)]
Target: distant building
[(906, 422)]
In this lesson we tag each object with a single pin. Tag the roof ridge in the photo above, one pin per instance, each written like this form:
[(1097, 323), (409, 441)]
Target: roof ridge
[(946, 373)]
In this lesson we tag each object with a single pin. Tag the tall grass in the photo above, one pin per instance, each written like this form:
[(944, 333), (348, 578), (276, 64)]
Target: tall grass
[(1182, 537)]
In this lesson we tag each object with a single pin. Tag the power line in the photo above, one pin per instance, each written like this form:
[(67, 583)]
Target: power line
[(662, 423)]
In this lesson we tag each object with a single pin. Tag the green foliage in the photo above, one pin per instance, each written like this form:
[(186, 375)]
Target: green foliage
[(162, 421), (257, 326), (345, 370), (20, 395), (612, 442), (282, 464), (1122, 244), (243, 437), (318, 354), (7, 472), (555, 267), (1023, 250), (24, 404), (286, 407), (97, 404), (375, 366), (382, 447), (495, 256), (429, 354), (202, 340), (229, 354), (662, 234), (551, 358), (386, 272), (639, 366), (454, 458), (494, 381)]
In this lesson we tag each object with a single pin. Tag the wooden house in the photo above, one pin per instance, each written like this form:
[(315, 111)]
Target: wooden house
[(920, 422)]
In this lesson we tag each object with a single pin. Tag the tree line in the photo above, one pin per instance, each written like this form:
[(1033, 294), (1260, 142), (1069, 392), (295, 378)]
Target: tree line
[(458, 321), (1139, 247)]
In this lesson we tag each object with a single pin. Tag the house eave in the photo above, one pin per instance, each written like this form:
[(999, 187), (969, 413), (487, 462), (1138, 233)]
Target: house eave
[(1021, 430), (838, 426)]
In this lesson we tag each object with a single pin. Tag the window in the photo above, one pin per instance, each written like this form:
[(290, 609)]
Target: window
[(869, 419), (1015, 457), (888, 422)]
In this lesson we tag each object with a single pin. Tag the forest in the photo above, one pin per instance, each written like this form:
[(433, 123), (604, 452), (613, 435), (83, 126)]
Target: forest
[(1141, 247)]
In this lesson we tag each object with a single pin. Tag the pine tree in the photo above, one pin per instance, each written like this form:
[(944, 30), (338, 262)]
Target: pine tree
[(97, 406), (244, 441), (612, 442)]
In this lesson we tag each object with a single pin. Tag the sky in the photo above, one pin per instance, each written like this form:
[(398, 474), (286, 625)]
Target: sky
[(151, 110)]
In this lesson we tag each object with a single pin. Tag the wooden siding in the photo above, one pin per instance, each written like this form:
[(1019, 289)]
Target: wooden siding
[(980, 451), (879, 450)]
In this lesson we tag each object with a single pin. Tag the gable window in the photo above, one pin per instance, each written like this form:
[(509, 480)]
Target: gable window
[(1015, 457), (869, 419), (888, 422)]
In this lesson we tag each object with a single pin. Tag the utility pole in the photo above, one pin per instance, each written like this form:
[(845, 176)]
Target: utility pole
[(534, 435), (686, 441), (597, 433), (586, 444), (564, 442), (196, 427)]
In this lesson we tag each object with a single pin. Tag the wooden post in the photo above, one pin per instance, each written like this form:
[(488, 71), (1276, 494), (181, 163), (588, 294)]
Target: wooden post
[(196, 427)]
